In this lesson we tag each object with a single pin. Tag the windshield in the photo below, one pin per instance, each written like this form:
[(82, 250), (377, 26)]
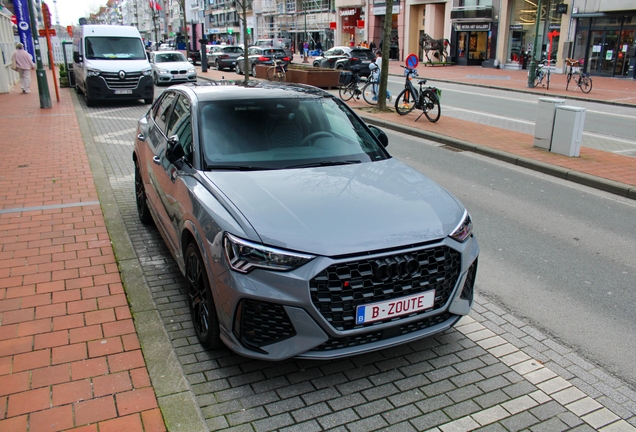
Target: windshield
[(170, 58), (114, 47), (283, 133)]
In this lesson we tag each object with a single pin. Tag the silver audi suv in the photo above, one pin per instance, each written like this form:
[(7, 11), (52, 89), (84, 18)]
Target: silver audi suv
[(296, 231)]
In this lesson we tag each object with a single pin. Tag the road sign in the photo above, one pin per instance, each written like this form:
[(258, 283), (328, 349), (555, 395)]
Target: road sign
[(412, 61)]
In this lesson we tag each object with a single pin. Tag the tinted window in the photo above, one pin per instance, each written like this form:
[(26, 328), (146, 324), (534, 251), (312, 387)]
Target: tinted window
[(278, 130), (172, 57), (236, 50), (363, 54), (163, 110), (180, 123)]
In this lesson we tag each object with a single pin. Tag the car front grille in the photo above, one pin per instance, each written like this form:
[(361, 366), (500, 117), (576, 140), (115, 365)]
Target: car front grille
[(174, 72), (263, 323), (374, 336), (114, 82), (340, 288)]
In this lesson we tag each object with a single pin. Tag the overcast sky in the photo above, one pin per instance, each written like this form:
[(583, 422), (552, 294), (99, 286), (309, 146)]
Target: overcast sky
[(71, 10)]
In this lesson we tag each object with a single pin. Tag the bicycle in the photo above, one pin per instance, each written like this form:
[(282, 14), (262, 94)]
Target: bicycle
[(370, 91), (581, 78), (425, 99), (276, 72), (349, 85), (543, 72)]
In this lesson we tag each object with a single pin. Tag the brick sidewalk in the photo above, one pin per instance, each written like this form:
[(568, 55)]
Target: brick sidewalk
[(69, 353)]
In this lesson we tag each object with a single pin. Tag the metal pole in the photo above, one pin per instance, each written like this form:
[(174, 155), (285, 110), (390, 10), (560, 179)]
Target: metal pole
[(43, 85), (303, 47), (533, 62)]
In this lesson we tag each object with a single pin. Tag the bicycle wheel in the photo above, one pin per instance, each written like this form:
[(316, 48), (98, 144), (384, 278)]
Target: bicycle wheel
[(369, 94), (538, 78), (585, 82), (431, 106), (405, 102), (275, 74), (347, 91), (567, 81)]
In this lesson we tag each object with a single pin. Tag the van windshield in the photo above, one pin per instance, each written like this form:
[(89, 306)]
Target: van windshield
[(115, 48)]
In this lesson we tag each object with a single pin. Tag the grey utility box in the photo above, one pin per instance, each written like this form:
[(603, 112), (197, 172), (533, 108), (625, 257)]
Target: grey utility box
[(545, 121), (568, 130)]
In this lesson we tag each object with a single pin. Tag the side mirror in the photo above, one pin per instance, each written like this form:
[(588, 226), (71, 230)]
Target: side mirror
[(380, 135), (174, 150), (77, 58)]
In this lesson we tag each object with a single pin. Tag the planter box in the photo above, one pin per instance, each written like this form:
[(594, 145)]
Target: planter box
[(317, 77), (261, 71)]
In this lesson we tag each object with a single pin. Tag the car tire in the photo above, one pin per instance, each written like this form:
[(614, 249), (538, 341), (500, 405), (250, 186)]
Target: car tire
[(238, 69), (78, 90), (254, 70), (140, 197), (149, 101), (155, 80), (200, 300), (89, 102), (340, 67), (216, 65), (316, 64)]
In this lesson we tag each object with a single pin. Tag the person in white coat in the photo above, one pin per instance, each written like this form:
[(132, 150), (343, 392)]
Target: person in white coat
[(22, 63)]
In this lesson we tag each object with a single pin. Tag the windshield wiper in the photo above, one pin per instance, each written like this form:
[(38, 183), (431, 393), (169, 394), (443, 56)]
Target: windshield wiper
[(237, 167), (324, 163)]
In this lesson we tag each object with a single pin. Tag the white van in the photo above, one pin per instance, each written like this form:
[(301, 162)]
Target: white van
[(110, 62)]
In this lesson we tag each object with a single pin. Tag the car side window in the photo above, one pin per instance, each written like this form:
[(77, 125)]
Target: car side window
[(163, 110), (180, 123)]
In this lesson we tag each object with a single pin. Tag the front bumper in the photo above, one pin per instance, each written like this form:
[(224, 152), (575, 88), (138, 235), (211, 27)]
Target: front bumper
[(171, 78), (104, 87), (310, 312)]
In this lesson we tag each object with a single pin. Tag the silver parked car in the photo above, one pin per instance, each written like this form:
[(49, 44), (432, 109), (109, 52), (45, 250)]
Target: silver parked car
[(297, 233), (170, 67)]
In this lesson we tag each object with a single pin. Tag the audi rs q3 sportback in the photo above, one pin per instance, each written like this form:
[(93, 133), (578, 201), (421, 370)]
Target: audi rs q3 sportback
[(297, 232)]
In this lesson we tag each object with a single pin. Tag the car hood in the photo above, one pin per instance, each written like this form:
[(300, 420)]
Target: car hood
[(184, 65), (342, 209), (115, 65)]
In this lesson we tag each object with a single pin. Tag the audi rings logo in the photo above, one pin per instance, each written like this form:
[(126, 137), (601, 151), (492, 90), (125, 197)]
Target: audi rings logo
[(397, 267), (122, 75)]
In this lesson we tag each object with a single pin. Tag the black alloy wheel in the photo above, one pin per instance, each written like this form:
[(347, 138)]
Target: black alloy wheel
[(142, 202), (200, 301)]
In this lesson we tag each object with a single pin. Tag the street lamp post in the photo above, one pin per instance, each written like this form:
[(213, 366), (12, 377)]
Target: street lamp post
[(305, 39), (43, 86), (533, 62)]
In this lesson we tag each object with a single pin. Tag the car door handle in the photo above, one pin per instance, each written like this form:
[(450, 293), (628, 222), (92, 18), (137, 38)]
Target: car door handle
[(141, 137), (156, 160)]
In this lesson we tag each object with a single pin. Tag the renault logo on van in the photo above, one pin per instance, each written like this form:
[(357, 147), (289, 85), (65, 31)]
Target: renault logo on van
[(396, 267), (122, 75)]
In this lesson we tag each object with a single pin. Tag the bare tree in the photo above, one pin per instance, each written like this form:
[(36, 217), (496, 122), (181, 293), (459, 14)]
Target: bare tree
[(185, 27), (244, 5), (386, 44)]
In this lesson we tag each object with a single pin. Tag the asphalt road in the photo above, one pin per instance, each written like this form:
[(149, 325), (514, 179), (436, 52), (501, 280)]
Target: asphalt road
[(560, 255), (607, 127)]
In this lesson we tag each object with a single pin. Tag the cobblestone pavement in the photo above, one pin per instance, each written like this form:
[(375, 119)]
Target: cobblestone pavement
[(491, 372)]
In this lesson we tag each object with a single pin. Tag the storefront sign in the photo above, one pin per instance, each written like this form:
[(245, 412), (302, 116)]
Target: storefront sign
[(562, 8), (348, 12), (381, 10), (516, 27), (472, 27), (554, 27), (332, 25)]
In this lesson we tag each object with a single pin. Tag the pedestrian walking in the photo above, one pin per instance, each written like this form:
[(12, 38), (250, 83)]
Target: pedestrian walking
[(372, 46), (22, 63), (306, 49), (319, 47)]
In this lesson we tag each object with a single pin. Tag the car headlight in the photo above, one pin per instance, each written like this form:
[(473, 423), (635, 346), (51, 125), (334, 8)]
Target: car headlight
[(464, 229), (244, 256), (162, 71), (192, 70), (93, 72), (146, 72)]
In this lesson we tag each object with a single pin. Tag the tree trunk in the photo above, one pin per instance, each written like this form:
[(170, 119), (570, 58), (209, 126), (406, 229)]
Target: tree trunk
[(386, 44)]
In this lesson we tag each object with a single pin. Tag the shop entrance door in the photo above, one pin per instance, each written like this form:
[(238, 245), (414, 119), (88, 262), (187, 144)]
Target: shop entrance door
[(604, 52), (622, 59)]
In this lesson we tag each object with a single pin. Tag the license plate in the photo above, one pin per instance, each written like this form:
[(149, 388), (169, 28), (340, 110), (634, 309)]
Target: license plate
[(123, 91), (179, 76), (394, 308)]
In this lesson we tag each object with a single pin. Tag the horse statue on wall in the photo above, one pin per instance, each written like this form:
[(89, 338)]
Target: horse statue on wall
[(438, 46)]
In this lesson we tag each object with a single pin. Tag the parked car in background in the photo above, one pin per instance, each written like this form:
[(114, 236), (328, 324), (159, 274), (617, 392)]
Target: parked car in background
[(298, 235), (169, 67), (261, 56), (358, 60), (224, 56), (328, 58), (282, 43)]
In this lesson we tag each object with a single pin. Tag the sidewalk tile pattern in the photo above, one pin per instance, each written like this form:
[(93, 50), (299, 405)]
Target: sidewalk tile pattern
[(69, 353)]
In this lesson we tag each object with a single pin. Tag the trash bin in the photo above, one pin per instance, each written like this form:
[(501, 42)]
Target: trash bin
[(544, 123), (568, 130)]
